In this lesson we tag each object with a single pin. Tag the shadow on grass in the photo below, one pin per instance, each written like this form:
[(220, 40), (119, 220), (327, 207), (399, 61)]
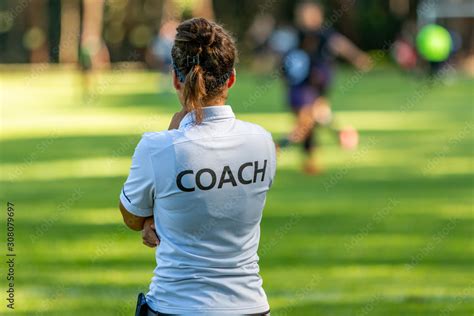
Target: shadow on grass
[(379, 306), (67, 148), (290, 186)]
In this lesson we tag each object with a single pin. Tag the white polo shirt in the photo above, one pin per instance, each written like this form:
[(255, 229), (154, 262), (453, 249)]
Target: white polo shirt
[(206, 186)]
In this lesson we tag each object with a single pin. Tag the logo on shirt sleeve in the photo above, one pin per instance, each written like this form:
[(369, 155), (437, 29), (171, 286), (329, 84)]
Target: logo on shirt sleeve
[(207, 179)]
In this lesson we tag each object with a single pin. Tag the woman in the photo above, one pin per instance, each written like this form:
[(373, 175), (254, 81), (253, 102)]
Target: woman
[(202, 184)]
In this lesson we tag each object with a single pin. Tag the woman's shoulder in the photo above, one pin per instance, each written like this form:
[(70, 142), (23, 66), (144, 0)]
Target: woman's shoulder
[(253, 128), (156, 141)]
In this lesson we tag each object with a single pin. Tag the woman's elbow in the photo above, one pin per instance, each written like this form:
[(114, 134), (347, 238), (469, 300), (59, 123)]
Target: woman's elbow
[(133, 222)]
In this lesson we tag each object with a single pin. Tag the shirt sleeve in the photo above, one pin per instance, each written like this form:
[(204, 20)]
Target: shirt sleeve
[(139, 190)]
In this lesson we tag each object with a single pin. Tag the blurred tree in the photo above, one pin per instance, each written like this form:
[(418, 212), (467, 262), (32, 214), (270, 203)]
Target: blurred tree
[(54, 29), (131, 24)]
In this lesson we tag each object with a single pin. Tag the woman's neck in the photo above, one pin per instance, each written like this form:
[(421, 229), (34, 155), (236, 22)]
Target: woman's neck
[(215, 102)]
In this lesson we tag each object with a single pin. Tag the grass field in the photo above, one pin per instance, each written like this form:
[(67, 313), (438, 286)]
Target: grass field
[(386, 230)]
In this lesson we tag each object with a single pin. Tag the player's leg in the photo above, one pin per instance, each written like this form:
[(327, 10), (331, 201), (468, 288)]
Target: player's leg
[(303, 133), (321, 111), (304, 125), (301, 100), (347, 137), (310, 149), (321, 116), (307, 117)]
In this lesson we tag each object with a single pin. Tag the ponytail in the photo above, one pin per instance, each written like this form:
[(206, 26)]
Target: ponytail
[(195, 91)]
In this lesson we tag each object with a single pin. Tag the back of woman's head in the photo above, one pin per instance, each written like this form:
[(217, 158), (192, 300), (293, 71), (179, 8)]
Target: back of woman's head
[(203, 60)]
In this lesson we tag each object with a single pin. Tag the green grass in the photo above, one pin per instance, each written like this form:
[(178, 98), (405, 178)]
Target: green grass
[(386, 230)]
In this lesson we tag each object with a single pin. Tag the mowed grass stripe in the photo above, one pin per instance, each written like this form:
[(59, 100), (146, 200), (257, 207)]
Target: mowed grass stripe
[(329, 246)]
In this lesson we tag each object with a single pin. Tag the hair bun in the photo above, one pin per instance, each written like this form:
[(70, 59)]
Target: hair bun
[(205, 32), (206, 39)]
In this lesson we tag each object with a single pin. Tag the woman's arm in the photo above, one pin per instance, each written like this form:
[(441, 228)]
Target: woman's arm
[(149, 236), (145, 224), (176, 119), (132, 221), (135, 222)]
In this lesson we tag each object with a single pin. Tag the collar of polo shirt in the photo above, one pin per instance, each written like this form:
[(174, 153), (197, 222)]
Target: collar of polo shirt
[(210, 113)]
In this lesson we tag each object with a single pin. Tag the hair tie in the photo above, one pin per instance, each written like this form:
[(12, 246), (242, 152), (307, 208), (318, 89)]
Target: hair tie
[(191, 61)]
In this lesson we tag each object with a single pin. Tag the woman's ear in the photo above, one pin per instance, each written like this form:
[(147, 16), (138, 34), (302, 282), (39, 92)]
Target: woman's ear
[(176, 83), (232, 79)]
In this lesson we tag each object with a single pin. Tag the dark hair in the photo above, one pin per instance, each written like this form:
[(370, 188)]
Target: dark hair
[(203, 59)]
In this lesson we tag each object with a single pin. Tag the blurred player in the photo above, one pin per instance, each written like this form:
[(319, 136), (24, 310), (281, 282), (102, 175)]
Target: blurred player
[(158, 54), (404, 50), (93, 53), (308, 72)]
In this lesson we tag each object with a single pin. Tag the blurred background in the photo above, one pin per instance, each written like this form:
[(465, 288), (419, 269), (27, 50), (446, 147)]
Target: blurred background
[(385, 229), (49, 31)]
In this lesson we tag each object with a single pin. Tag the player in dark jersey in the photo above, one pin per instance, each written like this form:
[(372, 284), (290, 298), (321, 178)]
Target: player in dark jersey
[(308, 73)]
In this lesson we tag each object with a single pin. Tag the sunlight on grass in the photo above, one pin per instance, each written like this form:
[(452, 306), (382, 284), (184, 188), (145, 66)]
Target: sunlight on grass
[(63, 169), (325, 246)]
